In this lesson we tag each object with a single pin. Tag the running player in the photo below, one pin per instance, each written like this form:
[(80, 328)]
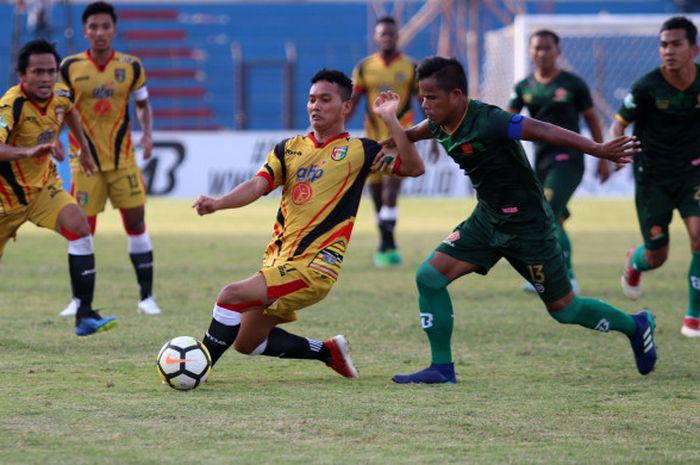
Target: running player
[(322, 175), (31, 116), (558, 97), (387, 69), (664, 104), (511, 219), (102, 80)]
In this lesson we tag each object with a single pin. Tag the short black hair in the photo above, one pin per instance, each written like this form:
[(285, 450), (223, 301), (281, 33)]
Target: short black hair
[(546, 33), (96, 8), (448, 72), (35, 47), (681, 22), (336, 77), (387, 20)]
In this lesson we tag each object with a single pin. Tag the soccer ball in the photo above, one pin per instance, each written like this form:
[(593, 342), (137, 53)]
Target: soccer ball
[(183, 363)]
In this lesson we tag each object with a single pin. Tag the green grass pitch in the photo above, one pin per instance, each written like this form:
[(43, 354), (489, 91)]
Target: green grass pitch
[(530, 391)]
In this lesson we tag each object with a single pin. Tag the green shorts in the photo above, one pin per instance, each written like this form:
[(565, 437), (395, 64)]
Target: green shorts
[(559, 182), (655, 205), (536, 256)]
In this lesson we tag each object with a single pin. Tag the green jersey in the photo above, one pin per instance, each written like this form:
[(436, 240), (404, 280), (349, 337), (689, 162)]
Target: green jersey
[(667, 123), (508, 192), (558, 102)]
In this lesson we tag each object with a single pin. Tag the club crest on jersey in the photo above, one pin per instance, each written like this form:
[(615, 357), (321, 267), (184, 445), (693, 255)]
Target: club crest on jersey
[(527, 98), (82, 198), (309, 173), (466, 149), (339, 153), (120, 74), (561, 95), (302, 193), (662, 104)]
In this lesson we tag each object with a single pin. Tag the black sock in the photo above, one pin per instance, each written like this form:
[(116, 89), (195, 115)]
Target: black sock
[(82, 279), (282, 344), (386, 232), (143, 265), (218, 338)]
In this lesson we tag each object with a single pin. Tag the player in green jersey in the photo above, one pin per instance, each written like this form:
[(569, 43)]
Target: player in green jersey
[(664, 104), (511, 219), (559, 97)]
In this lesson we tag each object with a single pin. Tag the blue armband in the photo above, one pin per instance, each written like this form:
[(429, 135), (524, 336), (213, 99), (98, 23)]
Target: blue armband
[(515, 127)]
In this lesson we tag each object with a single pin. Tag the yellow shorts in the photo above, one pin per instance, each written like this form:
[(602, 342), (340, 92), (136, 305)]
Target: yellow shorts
[(43, 211), (124, 187), (294, 286)]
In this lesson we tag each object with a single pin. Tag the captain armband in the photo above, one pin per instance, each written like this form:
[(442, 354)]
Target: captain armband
[(515, 127)]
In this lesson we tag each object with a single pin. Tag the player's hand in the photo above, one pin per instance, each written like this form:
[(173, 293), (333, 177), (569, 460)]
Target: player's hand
[(59, 152), (603, 170), (87, 164), (620, 149), (384, 158), (147, 144), (387, 143), (204, 205), (40, 150), (386, 104)]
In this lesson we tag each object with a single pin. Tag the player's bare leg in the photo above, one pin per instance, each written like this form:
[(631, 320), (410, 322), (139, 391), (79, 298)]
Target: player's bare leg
[(691, 322)]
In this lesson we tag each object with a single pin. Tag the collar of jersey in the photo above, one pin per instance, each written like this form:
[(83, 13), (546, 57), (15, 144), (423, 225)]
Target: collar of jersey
[(99, 67), (42, 109), (319, 145)]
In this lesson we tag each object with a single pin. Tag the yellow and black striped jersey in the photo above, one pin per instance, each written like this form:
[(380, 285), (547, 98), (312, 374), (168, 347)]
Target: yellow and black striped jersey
[(374, 75), (27, 123), (102, 99), (322, 186)]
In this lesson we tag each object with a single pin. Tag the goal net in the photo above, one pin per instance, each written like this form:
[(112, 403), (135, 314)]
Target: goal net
[(608, 51)]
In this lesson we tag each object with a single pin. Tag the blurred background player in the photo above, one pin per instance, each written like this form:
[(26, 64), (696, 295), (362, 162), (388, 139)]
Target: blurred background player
[(388, 69), (102, 80), (31, 116), (664, 105), (322, 175), (558, 97), (511, 219)]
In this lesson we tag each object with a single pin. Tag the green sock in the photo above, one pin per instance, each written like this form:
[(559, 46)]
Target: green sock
[(595, 314), (638, 261), (694, 286), (436, 316), (565, 244)]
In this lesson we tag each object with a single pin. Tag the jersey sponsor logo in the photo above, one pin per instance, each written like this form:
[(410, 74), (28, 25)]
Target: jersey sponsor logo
[(561, 95), (629, 102), (102, 92), (120, 74), (302, 193), (562, 157), (102, 107), (46, 136), (309, 173), (510, 210), (603, 326), (426, 320), (663, 104), (339, 153)]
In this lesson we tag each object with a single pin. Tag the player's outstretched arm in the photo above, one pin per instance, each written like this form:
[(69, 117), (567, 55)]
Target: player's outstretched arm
[(243, 194), (620, 149), (385, 105), (10, 152), (85, 157)]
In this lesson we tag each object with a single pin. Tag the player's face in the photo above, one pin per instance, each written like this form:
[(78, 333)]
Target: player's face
[(438, 105), (99, 31), (543, 52), (40, 76), (386, 36), (675, 50), (326, 108)]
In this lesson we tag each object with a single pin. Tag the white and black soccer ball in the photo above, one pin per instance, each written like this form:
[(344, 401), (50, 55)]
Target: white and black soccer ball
[(183, 363)]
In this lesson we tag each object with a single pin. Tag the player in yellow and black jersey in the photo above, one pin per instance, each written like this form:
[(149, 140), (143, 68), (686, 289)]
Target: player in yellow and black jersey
[(102, 81), (31, 117), (389, 69), (322, 175)]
